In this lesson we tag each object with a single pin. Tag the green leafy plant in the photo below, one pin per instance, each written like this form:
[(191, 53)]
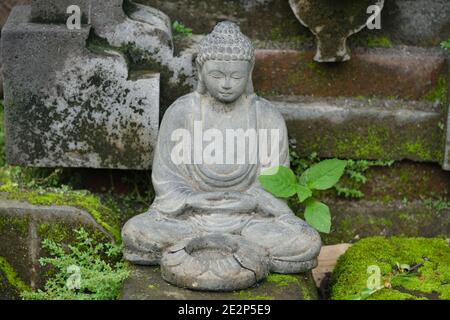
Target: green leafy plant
[(98, 267), (445, 44), (354, 175), (180, 28), (283, 183)]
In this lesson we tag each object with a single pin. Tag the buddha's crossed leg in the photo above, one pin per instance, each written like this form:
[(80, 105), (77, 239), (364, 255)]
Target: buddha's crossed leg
[(293, 245), (146, 236)]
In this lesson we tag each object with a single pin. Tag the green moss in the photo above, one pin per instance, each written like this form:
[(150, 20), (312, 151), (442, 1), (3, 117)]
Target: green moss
[(418, 149), (377, 143), (64, 233), (12, 277), (440, 92), (431, 255), (363, 147), (383, 42), (247, 295), (386, 294), (18, 224), (379, 42), (282, 280), (445, 44), (285, 280)]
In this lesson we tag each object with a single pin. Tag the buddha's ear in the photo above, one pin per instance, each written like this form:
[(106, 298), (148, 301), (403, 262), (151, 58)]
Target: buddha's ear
[(199, 70), (252, 66), (250, 88), (201, 88)]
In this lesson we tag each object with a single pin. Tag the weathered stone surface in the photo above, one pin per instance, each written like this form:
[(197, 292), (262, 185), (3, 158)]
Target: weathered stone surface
[(419, 22), (6, 6), (43, 11), (67, 106), (22, 228), (446, 165), (354, 220), (332, 23), (142, 29), (365, 128), (402, 72), (447, 147), (424, 22), (145, 283)]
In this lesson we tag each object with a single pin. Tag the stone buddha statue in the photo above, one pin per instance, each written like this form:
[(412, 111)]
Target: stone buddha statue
[(212, 226)]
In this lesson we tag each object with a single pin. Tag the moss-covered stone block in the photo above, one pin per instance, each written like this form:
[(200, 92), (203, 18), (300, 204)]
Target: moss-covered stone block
[(146, 283), (29, 217), (16, 262), (410, 268)]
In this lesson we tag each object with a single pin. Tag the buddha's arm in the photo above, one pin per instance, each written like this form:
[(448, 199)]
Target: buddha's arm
[(169, 181), (266, 202)]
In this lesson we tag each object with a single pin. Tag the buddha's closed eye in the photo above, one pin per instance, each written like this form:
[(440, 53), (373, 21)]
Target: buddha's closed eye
[(217, 74)]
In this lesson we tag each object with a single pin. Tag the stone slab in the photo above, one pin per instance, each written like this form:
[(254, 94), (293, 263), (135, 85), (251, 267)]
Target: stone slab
[(401, 72), (328, 258), (361, 128), (67, 106), (145, 283), (354, 220)]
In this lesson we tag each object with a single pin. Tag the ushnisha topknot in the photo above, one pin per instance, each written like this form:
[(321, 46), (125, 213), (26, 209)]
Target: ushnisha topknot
[(227, 43)]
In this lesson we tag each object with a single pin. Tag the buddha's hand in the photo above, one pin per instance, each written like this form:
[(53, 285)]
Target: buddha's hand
[(222, 202), (269, 204)]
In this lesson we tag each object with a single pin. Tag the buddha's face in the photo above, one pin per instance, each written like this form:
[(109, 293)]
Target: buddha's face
[(226, 80)]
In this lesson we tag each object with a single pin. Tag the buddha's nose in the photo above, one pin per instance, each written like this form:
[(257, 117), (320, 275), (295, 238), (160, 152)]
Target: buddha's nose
[(226, 85)]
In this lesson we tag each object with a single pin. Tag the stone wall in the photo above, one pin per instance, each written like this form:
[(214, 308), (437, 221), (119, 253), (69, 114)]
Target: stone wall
[(5, 9)]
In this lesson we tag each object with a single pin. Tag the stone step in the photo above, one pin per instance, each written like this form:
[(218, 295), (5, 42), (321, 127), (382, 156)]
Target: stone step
[(365, 128), (402, 72), (353, 220), (146, 283)]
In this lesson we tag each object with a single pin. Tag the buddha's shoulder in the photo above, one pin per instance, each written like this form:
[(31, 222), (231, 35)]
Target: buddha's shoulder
[(268, 111), (181, 106)]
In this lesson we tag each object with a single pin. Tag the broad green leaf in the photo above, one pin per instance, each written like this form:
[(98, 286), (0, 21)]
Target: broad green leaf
[(324, 175), (303, 193), (280, 181), (317, 214)]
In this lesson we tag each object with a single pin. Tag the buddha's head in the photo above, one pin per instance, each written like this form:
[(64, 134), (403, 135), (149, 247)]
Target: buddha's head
[(225, 63)]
